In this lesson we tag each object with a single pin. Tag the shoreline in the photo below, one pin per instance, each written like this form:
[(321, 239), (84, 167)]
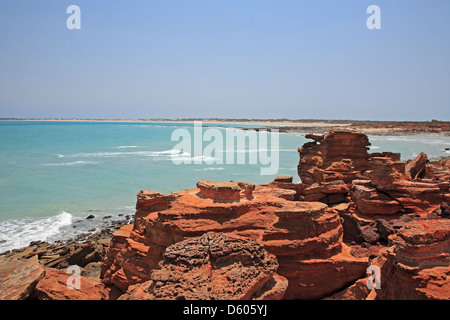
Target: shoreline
[(378, 128)]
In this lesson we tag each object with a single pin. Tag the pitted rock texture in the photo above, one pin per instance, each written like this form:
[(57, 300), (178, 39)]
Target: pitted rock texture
[(213, 266), (306, 237)]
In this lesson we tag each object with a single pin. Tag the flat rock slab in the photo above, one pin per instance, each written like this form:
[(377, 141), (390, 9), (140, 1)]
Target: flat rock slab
[(19, 277)]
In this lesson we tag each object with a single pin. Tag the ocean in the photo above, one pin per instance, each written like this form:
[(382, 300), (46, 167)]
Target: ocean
[(55, 174)]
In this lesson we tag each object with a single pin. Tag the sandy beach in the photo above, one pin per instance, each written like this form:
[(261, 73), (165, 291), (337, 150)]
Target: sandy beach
[(383, 128)]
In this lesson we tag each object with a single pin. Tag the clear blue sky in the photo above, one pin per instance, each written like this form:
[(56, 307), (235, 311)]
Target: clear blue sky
[(226, 58)]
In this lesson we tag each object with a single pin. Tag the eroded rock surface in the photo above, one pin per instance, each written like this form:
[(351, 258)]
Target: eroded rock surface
[(417, 264), (306, 237), (213, 267)]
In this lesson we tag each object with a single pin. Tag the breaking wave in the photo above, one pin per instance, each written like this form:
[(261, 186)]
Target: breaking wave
[(19, 233)]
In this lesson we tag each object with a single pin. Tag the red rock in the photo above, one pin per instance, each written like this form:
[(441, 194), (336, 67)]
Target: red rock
[(416, 168), (19, 277), (213, 267), (438, 170), (390, 192), (329, 192), (357, 291), (318, 278), (54, 287), (225, 191), (337, 155), (417, 265), (371, 202), (116, 245), (297, 233), (283, 179)]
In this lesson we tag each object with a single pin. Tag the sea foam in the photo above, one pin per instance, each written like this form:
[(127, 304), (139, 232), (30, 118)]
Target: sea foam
[(19, 233)]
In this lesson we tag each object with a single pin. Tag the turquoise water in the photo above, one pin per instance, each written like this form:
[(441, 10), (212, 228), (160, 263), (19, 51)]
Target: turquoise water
[(54, 174)]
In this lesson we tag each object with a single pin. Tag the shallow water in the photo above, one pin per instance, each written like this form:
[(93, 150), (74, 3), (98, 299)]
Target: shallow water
[(54, 174)]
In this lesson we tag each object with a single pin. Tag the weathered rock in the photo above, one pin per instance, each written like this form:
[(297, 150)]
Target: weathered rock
[(304, 236), (116, 245), (332, 192), (212, 267), (54, 286), (438, 170), (417, 265), (371, 202), (225, 191), (283, 179), (92, 270), (416, 168), (355, 230), (337, 155), (357, 291), (390, 192), (19, 277), (385, 229)]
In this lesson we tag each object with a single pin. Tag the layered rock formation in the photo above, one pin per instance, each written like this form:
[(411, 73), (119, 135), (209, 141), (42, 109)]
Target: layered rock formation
[(337, 155), (213, 266), (417, 264), (389, 190), (306, 237), (19, 277)]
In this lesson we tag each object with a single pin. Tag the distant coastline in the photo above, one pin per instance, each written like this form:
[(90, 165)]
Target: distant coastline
[(369, 127)]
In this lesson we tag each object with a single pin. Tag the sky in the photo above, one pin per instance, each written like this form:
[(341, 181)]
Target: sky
[(259, 59)]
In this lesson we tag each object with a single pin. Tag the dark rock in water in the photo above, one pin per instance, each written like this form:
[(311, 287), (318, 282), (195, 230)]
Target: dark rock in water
[(2, 241), (92, 230), (91, 216), (107, 217)]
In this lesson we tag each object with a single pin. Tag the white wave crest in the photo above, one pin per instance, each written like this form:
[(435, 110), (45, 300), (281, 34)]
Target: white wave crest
[(74, 163), (19, 233), (124, 153), (126, 147), (211, 169)]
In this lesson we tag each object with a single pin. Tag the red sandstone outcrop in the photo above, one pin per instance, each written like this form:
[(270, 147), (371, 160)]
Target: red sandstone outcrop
[(417, 264), (213, 266), (337, 155), (306, 237), (389, 190)]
